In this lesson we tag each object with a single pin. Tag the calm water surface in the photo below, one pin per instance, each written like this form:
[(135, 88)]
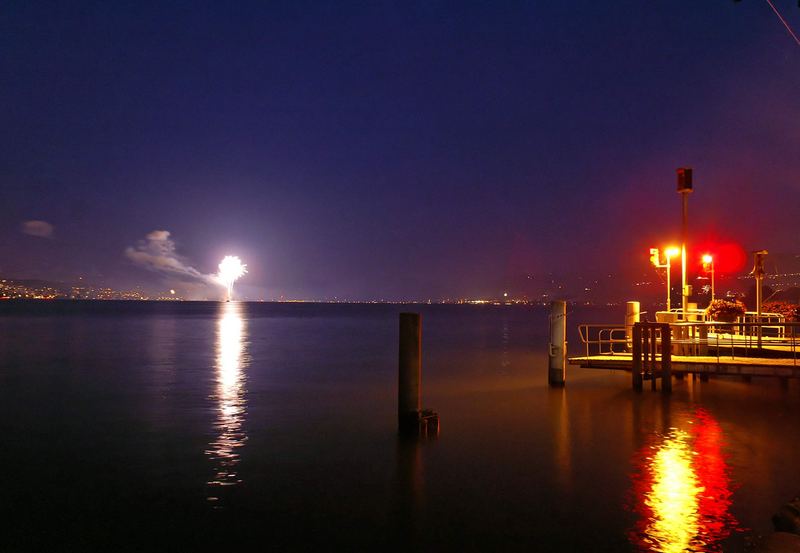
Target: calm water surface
[(169, 426)]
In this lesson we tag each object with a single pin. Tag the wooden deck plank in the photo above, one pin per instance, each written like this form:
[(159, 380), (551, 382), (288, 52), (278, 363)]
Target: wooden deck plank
[(744, 366)]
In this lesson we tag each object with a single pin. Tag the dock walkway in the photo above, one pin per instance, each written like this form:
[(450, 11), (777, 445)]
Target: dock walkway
[(656, 351), (699, 364)]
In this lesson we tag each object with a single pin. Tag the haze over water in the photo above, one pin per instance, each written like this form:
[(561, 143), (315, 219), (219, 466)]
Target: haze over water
[(149, 426)]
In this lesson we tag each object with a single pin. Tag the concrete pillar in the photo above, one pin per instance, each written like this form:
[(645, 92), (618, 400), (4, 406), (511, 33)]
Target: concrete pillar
[(409, 372), (632, 309), (558, 343)]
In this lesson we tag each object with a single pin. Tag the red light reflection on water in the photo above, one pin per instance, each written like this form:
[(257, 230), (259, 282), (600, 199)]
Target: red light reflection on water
[(682, 490)]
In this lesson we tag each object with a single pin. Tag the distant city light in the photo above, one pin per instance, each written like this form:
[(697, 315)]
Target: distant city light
[(171, 291)]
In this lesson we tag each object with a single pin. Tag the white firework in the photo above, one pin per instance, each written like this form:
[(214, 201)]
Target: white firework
[(231, 269)]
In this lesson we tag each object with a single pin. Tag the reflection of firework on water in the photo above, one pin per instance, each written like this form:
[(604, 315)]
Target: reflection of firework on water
[(682, 490), (231, 269), (230, 403)]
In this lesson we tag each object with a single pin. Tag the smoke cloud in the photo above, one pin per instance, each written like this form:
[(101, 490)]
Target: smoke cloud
[(42, 229), (157, 253)]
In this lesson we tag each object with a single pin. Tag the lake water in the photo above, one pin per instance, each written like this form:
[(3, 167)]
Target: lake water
[(172, 426)]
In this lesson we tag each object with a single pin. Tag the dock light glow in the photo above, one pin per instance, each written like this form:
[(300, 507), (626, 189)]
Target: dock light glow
[(231, 269), (655, 259)]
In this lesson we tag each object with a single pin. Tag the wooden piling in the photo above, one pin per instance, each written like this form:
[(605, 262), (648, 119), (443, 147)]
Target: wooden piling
[(652, 334), (409, 372), (556, 374), (636, 368), (666, 359)]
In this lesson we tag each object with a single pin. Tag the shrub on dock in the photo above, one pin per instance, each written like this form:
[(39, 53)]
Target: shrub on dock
[(789, 310), (725, 310)]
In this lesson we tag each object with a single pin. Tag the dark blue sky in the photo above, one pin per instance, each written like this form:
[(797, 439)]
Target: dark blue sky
[(391, 149)]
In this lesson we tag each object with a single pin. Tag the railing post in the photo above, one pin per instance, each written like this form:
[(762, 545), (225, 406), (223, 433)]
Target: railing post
[(666, 359), (636, 357), (586, 341)]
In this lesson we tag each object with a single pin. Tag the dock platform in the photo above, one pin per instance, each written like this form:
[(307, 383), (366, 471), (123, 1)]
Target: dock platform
[(657, 351), (699, 364)]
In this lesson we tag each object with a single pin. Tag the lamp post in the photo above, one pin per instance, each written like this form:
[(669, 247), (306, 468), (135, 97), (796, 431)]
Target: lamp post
[(709, 261), (655, 258), (684, 189), (758, 273)]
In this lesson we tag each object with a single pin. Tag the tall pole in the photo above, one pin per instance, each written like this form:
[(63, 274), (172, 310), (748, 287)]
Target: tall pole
[(684, 189), (712, 279), (758, 273), (669, 291), (759, 278), (684, 238)]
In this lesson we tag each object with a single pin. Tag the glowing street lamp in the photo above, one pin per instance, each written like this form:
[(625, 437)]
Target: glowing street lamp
[(708, 262), (655, 258)]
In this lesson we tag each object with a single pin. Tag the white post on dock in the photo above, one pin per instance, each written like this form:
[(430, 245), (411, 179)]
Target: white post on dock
[(409, 372), (558, 343), (631, 318)]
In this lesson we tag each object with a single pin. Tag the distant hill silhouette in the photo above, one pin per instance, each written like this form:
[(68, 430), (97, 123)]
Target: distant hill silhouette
[(790, 295)]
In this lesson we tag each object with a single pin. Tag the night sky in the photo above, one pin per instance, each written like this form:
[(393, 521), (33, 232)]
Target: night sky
[(390, 149)]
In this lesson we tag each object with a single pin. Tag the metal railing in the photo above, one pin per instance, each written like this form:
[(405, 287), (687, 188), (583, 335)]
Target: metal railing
[(772, 321), (723, 340), (743, 339), (607, 339)]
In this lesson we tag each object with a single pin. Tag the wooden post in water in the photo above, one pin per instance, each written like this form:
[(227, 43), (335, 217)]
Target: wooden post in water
[(652, 334), (666, 359), (558, 344), (409, 372), (636, 366)]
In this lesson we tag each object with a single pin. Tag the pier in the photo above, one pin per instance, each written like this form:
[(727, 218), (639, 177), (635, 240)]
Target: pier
[(653, 351)]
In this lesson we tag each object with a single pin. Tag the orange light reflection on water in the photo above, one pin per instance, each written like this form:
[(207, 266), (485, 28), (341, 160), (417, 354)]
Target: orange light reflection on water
[(681, 490)]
